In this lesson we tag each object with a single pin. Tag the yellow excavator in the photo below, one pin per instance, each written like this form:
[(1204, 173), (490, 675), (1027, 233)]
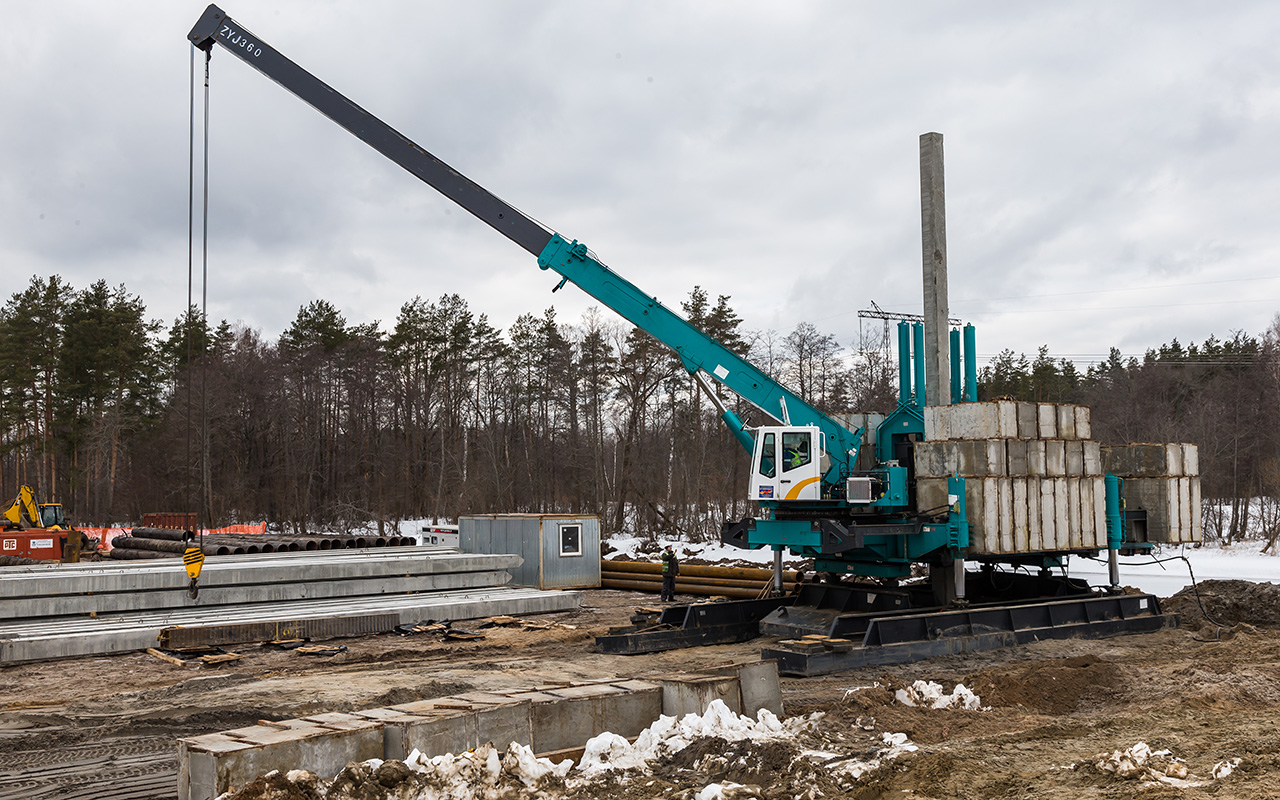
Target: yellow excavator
[(34, 530)]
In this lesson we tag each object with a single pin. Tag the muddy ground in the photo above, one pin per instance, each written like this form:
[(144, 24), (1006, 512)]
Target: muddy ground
[(1208, 692)]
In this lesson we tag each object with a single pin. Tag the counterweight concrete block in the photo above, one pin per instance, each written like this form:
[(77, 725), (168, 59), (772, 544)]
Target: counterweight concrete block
[(1028, 425), (1036, 458), (1006, 419), (1016, 456), (1055, 458), (931, 495), (1084, 422), (996, 457), (1066, 422), (1191, 461), (1074, 458), (1047, 418), (1092, 453)]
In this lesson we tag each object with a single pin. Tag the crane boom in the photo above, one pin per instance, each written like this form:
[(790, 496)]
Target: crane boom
[(571, 259)]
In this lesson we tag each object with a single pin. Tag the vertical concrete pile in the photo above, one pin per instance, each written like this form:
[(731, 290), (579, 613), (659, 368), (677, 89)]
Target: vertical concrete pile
[(1034, 479)]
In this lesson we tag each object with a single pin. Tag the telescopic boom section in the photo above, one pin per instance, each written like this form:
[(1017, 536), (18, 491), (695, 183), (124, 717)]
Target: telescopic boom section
[(571, 259)]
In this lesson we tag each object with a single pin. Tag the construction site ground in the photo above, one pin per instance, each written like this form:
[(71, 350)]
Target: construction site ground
[(106, 727)]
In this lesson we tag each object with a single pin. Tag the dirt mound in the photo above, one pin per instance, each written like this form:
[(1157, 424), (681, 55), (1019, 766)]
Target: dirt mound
[(1227, 603), (1047, 687)]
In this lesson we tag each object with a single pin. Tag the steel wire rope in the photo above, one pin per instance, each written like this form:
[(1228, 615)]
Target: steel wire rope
[(191, 246), (205, 499)]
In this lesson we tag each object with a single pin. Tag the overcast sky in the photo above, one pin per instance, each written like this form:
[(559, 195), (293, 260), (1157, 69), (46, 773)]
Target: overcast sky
[(1112, 169)]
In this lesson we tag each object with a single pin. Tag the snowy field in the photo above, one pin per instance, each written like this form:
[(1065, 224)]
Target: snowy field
[(1164, 574)]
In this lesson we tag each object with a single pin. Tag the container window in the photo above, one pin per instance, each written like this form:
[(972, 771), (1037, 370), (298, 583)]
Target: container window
[(570, 540)]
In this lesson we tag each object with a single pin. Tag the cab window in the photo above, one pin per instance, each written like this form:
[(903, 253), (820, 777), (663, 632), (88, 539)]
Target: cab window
[(768, 457), (795, 451)]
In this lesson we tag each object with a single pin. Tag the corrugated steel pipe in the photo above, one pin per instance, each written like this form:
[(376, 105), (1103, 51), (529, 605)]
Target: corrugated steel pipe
[(696, 570), (683, 588), (729, 583)]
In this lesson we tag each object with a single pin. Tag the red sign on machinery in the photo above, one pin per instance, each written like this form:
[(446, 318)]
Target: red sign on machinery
[(31, 544)]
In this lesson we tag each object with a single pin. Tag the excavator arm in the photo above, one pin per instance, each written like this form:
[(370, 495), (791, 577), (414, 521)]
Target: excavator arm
[(698, 353), (23, 512)]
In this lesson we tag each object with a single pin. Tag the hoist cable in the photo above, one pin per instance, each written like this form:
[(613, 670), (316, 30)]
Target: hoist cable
[(206, 501), (191, 247)]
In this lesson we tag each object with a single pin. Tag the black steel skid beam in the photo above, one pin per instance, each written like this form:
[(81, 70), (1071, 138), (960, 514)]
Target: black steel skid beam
[(695, 625), (912, 637)]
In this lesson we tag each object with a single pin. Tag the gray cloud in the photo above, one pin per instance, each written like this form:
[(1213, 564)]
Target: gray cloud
[(763, 150)]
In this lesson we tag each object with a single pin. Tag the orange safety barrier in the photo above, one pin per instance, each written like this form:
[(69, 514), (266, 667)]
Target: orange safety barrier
[(105, 535)]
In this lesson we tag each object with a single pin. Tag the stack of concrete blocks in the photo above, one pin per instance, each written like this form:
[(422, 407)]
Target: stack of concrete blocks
[(552, 720), (1164, 481), (1033, 478)]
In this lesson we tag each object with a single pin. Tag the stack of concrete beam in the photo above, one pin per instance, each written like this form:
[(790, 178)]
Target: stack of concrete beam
[(1033, 479), (1163, 480), (49, 611), (548, 719)]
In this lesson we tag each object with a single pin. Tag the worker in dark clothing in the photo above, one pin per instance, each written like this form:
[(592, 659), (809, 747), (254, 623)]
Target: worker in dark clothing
[(670, 569)]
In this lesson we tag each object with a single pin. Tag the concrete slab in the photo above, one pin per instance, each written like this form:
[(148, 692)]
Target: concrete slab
[(116, 633)]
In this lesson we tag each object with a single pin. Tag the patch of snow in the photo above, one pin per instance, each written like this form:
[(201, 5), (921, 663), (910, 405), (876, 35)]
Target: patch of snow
[(726, 791), (1158, 766), (629, 546), (894, 745), (667, 735), (930, 695), (1224, 768)]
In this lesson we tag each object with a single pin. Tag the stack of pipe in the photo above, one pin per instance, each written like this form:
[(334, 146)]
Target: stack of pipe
[(168, 543), (695, 579)]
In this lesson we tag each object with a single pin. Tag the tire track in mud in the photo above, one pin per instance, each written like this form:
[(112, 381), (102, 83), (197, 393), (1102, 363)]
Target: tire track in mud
[(128, 769)]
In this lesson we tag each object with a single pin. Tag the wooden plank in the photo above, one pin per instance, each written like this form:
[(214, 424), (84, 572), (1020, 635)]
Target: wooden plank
[(177, 662)]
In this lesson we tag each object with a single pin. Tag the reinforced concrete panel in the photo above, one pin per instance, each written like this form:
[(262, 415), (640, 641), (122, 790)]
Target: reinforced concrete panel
[(693, 693)]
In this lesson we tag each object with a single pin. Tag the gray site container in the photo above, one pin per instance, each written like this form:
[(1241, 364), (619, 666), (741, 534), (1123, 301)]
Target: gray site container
[(560, 551)]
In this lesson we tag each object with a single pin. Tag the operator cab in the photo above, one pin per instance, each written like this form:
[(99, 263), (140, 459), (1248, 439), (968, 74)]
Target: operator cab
[(787, 463)]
